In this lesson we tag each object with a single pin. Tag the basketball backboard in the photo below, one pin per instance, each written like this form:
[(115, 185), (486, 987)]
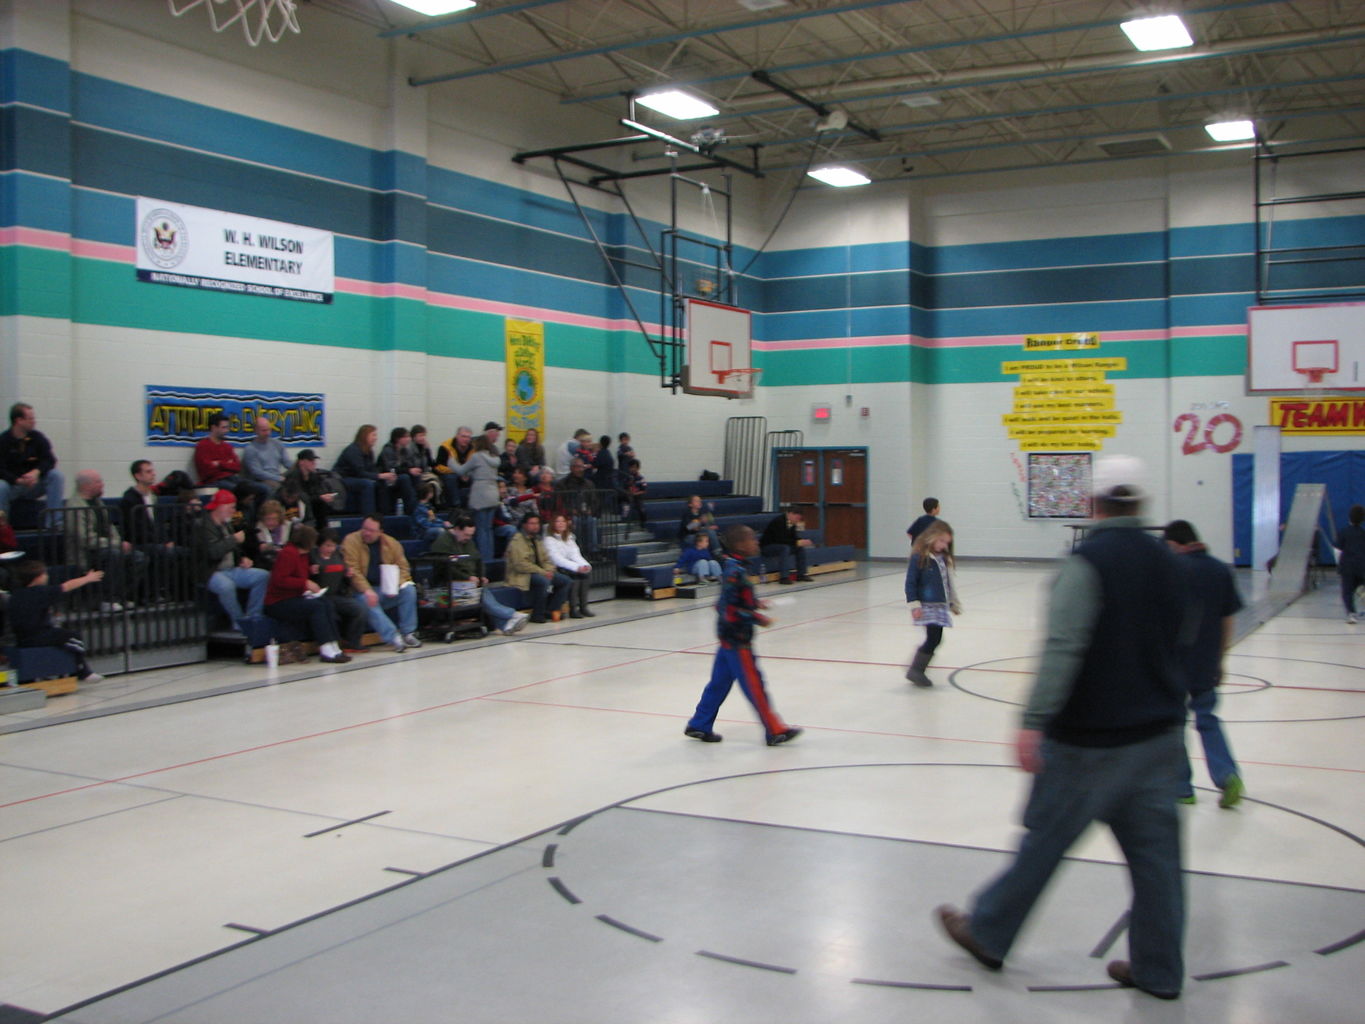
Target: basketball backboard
[(719, 350), (1304, 348)]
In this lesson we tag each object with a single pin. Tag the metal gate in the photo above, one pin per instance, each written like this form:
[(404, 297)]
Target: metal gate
[(748, 454)]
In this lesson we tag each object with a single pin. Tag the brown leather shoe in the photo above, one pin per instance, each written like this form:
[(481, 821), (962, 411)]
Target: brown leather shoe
[(958, 925), (1122, 972)]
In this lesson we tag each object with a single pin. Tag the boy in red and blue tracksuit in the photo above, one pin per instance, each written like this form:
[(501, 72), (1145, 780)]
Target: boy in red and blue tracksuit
[(737, 610)]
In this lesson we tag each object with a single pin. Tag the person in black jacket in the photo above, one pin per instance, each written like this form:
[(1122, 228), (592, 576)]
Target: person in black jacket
[(1351, 561), (28, 469), (782, 542), (1214, 601), (357, 465)]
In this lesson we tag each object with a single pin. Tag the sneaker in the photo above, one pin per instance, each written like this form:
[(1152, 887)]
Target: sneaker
[(1190, 799), (1351, 619), (539, 619), (958, 926), (786, 581), (805, 579), (1122, 972), (93, 677), (1232, 792), (703, 735), (340, 659), (398, 645), (786, 736), (410, 640)]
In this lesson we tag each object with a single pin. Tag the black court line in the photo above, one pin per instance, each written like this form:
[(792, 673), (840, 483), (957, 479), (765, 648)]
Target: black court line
[(547, 859), (1074, 988), (910, 984), (18, 1015), (605, 919), (345, 824), (745, 963), (1239, 971), (564, 890), (1111, 936), (571, 825), (406, 871), (247, 928), (623, 805), (1337, 947)]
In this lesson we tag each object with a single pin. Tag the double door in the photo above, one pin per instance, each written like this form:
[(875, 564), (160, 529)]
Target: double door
[(828, 486)]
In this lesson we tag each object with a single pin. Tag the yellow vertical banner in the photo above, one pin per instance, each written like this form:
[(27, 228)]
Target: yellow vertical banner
[(525, 378)]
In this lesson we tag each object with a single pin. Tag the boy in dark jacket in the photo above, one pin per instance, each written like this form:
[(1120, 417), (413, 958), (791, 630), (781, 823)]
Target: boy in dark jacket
[(30, 613)]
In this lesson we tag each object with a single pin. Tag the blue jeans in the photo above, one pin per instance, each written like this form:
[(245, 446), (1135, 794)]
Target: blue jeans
[(50, 486), (790, 560), (1217, 753), (1132, 789), (495, 609), (406, 603), (547, 594), (224, 584)]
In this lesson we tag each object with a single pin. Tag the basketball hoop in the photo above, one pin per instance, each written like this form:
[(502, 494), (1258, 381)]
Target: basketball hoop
[(740, 378), (1315, 359), (261, 19)]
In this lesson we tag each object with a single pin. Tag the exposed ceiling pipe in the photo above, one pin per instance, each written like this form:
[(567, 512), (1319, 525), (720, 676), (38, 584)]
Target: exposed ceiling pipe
[(1173, 97), (1032, 70), (918, 154), (631, 44), (951, 44)]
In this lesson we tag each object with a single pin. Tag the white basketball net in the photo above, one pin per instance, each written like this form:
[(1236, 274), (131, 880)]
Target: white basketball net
[(260, 19)]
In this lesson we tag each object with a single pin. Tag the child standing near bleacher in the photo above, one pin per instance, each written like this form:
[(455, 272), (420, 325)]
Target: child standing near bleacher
[(30, 613)]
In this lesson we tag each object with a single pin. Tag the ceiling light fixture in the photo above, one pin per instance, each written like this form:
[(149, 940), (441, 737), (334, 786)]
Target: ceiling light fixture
[(1166, 32), (431, 8), (1231, 131), (840, 177), (677, 104)]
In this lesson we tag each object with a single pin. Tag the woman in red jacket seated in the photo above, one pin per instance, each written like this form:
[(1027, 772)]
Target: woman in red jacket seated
[(287, 600)]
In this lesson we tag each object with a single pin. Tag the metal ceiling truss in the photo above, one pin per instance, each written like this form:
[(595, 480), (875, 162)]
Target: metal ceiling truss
[(676, 252)]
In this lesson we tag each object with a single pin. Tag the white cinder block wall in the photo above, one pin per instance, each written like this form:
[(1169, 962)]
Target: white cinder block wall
[(87, 380)]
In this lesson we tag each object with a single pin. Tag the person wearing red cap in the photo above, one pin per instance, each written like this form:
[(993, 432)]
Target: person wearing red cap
[(222, 566)]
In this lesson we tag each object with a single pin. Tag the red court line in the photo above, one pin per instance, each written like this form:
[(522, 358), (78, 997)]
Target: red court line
[(864, 732), (324, 732)]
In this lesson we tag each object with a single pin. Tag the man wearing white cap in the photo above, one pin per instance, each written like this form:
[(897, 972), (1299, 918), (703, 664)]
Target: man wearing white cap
[(1102, 733)]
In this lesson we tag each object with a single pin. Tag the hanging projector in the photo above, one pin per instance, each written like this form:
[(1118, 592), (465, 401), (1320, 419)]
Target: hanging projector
[(834, 121)]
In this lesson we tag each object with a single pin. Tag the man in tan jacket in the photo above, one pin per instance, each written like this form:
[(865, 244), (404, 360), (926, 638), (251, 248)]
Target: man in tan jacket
[(529, 568), (365, 552)]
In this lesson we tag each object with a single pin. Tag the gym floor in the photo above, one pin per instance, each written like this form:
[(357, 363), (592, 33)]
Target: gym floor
[(517, 830)]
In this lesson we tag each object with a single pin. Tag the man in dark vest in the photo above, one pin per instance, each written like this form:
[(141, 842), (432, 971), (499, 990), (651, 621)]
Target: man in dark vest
[(1102, 734)]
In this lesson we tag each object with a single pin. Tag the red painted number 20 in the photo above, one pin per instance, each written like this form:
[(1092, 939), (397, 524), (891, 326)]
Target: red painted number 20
[(1191, 445)]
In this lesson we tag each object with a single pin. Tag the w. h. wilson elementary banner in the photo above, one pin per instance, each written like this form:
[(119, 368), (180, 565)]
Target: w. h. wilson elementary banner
[(191, 247)]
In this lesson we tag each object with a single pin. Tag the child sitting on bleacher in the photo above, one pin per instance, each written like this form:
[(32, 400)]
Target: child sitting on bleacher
[(30, 613), (699, 560), (426, 524)]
